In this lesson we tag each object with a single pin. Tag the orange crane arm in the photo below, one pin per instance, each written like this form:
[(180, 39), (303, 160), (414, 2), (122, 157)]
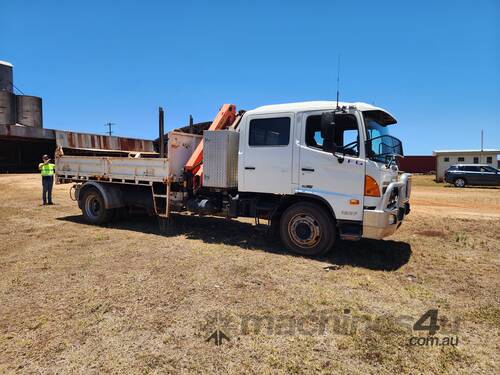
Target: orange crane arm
[(224, 119)]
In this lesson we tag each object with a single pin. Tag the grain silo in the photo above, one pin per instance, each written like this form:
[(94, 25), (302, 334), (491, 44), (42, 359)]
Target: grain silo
[(6, 81), (7, 97), (7, 108), (29, 111)]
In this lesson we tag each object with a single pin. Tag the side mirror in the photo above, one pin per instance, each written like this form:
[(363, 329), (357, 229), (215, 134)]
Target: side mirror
[(328, 131), (328, 125)]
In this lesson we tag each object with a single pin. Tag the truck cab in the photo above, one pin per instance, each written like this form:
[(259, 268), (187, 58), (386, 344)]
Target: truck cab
[(283, 149)]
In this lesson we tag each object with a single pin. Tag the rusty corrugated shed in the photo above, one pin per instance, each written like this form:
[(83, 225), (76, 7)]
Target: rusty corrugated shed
[(68, 139), (77, 140), (417, 164)]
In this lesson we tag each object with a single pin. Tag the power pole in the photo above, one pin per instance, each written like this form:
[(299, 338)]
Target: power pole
[(109, 125), (481, 158)]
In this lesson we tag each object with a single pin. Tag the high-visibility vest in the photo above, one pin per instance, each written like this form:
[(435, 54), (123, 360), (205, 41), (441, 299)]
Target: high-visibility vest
[(47, 169)]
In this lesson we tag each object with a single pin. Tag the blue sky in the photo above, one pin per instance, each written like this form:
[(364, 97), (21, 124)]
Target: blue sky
[(434, 64)]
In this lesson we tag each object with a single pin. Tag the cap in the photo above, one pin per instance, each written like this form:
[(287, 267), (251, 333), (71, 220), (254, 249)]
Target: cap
[(45, 157)]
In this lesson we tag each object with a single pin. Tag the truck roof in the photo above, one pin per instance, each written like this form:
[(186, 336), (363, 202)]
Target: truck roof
[(313, 106)]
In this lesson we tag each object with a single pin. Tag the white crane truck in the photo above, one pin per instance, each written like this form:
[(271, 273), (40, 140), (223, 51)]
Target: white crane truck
[(317, 171)]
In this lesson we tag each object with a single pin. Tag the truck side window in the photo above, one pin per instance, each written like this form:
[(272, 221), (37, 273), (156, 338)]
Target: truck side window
[(346, 134), (313, 132), (270, 132)]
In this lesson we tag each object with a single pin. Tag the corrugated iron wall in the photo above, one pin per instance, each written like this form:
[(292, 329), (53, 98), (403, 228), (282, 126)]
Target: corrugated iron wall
[(417, 164), (21, 147), (102, 142)]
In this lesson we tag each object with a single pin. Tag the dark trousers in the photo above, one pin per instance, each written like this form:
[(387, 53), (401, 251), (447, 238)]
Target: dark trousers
[(47, 182)]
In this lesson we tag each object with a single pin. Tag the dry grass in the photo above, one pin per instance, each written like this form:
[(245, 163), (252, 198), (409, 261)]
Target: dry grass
[(75, 298)]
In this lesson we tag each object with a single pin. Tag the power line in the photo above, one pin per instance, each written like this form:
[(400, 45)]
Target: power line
[(17, 88)]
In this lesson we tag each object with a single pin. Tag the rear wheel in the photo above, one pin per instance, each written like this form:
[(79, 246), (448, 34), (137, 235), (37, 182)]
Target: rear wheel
[(93, 209), (307, 229), (459, 182)]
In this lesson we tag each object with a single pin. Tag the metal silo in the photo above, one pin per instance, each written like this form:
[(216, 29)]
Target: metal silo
[(7, 108), (29, 111), (6, 76)]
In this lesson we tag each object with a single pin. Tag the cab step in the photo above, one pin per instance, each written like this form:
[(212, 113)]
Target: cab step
[(350, 230)]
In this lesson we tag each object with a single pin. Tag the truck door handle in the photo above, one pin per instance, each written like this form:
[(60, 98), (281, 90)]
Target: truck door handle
[(251, 168), (308, 169)]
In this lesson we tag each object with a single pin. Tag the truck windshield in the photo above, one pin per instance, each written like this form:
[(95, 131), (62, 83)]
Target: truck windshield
[(380, 145)]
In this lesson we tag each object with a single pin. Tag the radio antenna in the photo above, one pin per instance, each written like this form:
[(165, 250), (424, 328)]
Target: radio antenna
[(338, 80)]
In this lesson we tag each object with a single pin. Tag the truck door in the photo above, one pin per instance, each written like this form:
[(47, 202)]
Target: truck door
[(266, 165), (321, 173)]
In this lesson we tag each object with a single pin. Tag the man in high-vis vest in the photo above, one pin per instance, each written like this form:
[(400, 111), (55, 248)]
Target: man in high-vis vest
[(47, 170)]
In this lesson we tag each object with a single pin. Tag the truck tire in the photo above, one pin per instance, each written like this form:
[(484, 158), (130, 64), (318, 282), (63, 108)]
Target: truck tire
[(459, 182), (93, 208), (307, 229)]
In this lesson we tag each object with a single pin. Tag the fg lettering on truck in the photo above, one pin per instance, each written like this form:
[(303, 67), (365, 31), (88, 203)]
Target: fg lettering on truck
[(317, 171)]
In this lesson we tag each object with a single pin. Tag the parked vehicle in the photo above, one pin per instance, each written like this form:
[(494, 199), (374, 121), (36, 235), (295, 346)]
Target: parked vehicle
[(461, 175), (316, 171)]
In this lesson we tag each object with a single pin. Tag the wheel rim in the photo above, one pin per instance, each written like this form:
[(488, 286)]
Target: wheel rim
[(93, 206), (304, 230), (459, 182)]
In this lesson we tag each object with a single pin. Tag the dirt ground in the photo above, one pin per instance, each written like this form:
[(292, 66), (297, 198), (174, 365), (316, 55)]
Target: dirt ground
[(125, 298)]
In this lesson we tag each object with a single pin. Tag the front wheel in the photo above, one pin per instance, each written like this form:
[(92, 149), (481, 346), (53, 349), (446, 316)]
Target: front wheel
[(307, 229), (459, 182), (93, 208)]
